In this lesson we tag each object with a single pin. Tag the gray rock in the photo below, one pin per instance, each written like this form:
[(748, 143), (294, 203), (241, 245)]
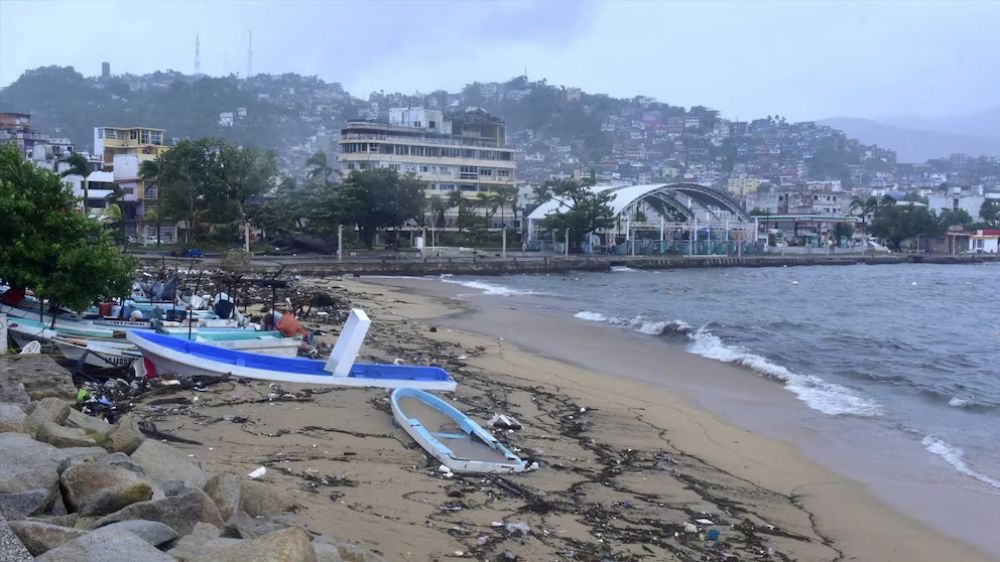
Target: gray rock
[(153, 532), (242, 526), (327, 552), (192, 545), (349, 552), (124, 436), (40, 538), (180, 512), (50, 409), (260, 500), (96, 428), (17, 505), (11, 418), (108, 546), (60, 436), (72, 456), (33, 376), (25, 466), (83, 482), (11, 549), (161, 462), (68, 520), (173, 487), (111, 499), (287, 545), (121, 460), (224, 489)]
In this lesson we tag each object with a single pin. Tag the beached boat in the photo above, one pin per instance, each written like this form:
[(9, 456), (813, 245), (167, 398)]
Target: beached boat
[(166, 354), (24, 332), (97, 353), (450, 436)]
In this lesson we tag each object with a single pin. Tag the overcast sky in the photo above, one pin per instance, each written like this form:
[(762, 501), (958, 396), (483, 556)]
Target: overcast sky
[(804, 60)]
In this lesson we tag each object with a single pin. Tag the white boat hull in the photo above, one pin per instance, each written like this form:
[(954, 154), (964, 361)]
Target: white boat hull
[(102, 357)]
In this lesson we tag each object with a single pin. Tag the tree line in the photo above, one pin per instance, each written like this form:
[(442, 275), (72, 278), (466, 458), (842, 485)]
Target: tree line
[(896, 222)]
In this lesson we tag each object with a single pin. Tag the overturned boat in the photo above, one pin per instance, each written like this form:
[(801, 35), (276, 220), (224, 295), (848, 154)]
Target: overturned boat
[(164, 354), (450, 436)]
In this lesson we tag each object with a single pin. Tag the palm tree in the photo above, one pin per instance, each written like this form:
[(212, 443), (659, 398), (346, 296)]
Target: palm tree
[(456, 199), (487, 202), (437, 206), (864, 208), (113, 210), (149, 171), (78, 166), (507, 196), (319, 166)]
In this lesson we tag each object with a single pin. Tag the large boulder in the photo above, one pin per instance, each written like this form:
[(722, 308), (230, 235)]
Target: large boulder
[(180, 512), (102, 488), (11, 549), (40, 538), (153, 532), (161, 463), (109, 546), (242, 526), (124, 436), (286, 545), (260, 500), (224, 489), (11, 418), (54, 410), (327, 552), (60, 436), (28, 471), (34, 376), (192, 545), (96, 428), (72, 456)]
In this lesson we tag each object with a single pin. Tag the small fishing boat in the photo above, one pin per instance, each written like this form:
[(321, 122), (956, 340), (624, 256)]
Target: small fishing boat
[(97, 353), (24, 332), (165, 354), (450, 436)]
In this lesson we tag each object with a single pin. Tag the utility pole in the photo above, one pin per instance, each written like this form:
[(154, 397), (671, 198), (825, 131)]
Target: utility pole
[(340, 242), (503, 242), (566, 245)]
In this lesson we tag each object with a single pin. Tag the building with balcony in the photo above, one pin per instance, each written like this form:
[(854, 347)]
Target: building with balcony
[(464, 151), (142, 142), (121, 150)]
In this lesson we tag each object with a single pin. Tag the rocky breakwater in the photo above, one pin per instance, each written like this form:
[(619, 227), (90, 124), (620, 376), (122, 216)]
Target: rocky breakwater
[(76, 488)]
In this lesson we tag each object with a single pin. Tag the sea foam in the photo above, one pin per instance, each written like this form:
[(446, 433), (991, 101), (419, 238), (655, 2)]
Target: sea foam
[(590, 316), (953, 456), (487, 288)]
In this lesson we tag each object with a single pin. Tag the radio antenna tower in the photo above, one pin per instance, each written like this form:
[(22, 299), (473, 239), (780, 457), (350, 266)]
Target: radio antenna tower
[(250, 58), (197, 56)]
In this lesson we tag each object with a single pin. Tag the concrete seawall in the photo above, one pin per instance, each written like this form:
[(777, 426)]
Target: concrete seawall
[(322, 265)]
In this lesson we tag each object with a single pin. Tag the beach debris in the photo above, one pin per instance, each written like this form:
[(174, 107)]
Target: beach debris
[(713, 534), (517, 528), (505, 421), (690, 528), (496, 524), (34, 348), (257, 473), (704, 521)]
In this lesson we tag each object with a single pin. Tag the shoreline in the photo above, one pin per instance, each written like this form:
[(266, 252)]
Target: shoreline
[(835, 499)]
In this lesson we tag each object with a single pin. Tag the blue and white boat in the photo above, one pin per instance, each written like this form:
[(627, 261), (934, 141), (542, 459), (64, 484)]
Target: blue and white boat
[(450, 436), (164, 354)]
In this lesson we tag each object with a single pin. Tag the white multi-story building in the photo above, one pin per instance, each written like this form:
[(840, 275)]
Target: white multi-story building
[(971, 203), (464, 151)]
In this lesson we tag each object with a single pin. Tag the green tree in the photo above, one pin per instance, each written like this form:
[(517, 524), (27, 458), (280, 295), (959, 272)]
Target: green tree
[(78, 166), (953, 217), (379, 198), (863, 208), (457, 200), (65, 257), (149, 172), (437, 206), (896, 223), (582, 210), (842, 230), (990, 212), (318, 166)]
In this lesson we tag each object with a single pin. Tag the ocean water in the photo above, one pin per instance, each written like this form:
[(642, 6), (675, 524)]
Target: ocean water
[(914, 348)]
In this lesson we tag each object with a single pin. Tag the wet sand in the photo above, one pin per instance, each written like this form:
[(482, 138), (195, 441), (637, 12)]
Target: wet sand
[(626, 464)]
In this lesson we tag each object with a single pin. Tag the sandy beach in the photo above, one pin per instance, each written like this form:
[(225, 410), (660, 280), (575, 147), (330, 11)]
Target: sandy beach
[(629, 469)]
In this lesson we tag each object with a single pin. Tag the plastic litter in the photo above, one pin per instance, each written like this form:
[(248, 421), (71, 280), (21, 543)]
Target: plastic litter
[(704, 521), (504, 421), (518, 528), (258, 473), (713, 534), (33, 348)]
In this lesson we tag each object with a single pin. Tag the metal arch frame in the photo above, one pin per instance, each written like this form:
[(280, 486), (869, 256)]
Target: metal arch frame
[(705, 197)]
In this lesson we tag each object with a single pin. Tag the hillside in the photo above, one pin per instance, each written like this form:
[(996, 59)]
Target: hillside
[(556, 129), (985, 124), (913, 145)]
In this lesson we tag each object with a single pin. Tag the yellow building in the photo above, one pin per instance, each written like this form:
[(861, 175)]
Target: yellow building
[(741, 185), (142, 142)]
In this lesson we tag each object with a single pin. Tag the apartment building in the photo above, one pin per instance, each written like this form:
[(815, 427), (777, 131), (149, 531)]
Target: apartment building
[(465, 151)]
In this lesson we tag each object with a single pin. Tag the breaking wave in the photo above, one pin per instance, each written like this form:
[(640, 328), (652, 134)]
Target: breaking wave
[(590, 316), (488, 288), (621, 268), (953, 456)]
